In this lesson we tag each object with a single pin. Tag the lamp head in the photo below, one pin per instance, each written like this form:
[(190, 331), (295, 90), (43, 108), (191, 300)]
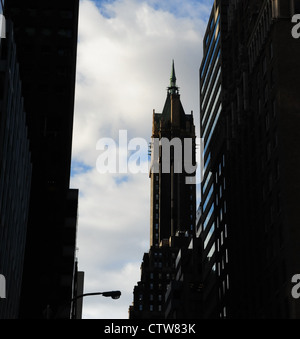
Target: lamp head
[(113, 294)]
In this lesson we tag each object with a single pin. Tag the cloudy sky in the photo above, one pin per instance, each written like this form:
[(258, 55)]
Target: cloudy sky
[(125, 54)]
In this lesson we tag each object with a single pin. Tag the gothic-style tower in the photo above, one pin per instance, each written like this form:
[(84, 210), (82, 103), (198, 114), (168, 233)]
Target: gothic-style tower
[(173, 193), (173, 202)]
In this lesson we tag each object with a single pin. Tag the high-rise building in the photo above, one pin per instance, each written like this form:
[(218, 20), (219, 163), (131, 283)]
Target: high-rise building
[(212, 226), (46, 39), (249, 121), (15, 175), (173, 197)]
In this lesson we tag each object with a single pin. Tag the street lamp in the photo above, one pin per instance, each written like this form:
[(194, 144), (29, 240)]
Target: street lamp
[(112, 294)]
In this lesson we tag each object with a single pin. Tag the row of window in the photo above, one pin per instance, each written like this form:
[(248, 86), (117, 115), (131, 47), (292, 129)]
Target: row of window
[(151, 308), (34, 12), (260, 33), (215, 37), (47, 32), (151, 297)]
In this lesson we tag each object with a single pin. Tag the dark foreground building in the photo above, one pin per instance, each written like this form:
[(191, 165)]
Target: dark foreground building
[(45, 35), (15, 175), (250, 117), (173, 197)]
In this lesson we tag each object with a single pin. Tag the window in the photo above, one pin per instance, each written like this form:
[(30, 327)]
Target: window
[(63, 52), (267, 122), (66, 14), (274, 108), (65, 33), (269, 151), (209, 215), (209, 236), (271, 50), (272, 78), (266, 93), (46, 32), (277, 170), (30, 31), (209, 195), (32, 12), (207, 39), (264, 66)]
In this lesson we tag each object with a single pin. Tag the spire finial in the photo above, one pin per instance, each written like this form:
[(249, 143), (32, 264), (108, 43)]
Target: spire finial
[(173, 75), (173, 89)]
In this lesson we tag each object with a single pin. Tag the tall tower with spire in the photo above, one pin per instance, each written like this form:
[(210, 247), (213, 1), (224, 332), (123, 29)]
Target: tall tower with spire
[(173, 203), (173, 195)]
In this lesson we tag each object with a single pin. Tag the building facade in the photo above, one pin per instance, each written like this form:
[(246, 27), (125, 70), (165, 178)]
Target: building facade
[(211, 227), (15, 175), (46, 39), (173, 197), (248, 224)]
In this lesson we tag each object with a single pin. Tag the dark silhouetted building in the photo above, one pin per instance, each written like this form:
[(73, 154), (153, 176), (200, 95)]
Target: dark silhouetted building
[(46, 46), (173, 197), (250, 116), (15, 175)]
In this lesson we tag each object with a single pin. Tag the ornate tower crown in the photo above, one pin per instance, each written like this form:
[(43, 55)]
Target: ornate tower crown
[(173, 89)]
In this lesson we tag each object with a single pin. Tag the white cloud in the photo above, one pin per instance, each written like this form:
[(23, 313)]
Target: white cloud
[(125, 52)]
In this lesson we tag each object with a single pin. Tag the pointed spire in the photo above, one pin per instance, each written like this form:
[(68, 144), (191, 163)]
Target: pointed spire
[(173, 76), (173, 89)]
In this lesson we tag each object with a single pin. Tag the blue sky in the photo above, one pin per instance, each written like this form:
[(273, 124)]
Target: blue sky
[(125, 54)]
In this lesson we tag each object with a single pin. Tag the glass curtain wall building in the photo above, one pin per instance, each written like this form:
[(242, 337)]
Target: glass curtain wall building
[(212, 228), (249, 225)]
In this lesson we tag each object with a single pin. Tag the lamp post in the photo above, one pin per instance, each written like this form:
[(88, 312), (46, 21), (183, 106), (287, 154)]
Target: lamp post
[(111, 294)]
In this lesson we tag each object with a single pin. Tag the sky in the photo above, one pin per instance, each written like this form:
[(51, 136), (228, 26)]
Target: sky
[(125, 53)]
